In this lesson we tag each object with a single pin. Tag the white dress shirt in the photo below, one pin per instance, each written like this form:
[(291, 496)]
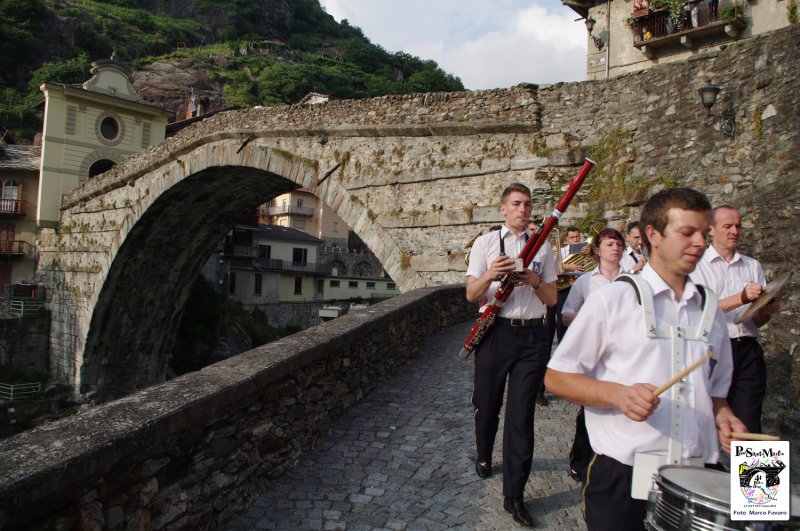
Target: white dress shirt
[(629, 259), (584, 285), (523, 302), (607, 342), (728, 279)]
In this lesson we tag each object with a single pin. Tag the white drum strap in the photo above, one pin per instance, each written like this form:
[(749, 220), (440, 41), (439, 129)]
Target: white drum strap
[(678, 336)]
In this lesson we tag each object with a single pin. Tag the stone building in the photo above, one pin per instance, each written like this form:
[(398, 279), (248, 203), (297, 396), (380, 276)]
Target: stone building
[(19, 186), (625, 36)]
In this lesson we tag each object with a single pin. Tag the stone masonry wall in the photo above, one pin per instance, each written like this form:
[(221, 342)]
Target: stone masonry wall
[(190, 453), (24, 343)]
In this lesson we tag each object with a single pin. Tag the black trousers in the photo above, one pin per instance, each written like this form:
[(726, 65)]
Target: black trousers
[(561, 298), (581, 453), (749, 382), (607, 502), (517, 355)]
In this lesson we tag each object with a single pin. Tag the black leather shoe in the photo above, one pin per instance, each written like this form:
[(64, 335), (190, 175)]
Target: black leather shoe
[(484, 470), (542, 400), (518, 510)]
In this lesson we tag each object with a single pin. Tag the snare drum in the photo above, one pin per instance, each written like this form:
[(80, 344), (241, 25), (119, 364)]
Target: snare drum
[(693, 498)]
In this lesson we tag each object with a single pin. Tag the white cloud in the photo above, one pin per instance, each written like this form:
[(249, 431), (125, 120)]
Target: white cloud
[(487, 44)]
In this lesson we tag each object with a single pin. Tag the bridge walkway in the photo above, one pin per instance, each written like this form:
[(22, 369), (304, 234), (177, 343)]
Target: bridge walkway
[(404, 459)]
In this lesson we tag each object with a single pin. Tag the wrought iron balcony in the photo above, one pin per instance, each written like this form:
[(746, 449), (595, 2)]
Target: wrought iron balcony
[(284, 210), (269, 264), (14, 248), (13, 207), (654, 29)]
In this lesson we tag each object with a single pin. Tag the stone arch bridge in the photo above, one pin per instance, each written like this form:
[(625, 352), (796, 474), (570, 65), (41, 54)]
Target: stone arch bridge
[(416, 177)]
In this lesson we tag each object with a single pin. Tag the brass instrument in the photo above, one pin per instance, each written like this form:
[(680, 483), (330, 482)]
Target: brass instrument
[(586, 261)]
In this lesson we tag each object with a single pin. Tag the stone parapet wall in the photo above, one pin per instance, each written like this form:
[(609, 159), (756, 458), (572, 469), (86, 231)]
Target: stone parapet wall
[(190, 453)]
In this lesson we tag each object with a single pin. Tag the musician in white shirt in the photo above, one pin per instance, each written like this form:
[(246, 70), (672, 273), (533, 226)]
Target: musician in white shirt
[(738, 280), (608, 363), (633, 260), (513, 350)]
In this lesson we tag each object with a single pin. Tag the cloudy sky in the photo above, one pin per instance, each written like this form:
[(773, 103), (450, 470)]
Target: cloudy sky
[(486, 43)]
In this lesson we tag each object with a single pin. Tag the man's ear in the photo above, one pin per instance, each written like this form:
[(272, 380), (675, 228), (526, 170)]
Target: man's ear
[(653, 236)]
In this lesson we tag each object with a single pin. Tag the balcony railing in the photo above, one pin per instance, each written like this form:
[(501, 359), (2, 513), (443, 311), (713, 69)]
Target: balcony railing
[(298, 267), (14, 248), (655, 28), (13, 207), (282, 210)]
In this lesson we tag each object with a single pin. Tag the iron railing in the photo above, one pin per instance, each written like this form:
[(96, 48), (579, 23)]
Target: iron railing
[(15, 207), (282, 210), (648, 24), (19, 391), (14, 248), (300, 267)]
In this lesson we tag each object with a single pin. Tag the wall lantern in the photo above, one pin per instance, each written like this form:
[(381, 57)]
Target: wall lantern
[(727, 121), (589, 27)]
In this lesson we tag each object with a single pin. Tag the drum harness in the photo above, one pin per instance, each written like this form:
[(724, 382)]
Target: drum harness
[(678, 335)]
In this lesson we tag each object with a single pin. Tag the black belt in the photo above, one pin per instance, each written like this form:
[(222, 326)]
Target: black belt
[(539, 321), (742, 339)]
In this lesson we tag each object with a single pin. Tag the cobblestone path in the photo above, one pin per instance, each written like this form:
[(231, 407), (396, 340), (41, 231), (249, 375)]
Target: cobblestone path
[(404, 459)]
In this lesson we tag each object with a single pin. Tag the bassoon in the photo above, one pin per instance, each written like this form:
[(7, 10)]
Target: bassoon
[(486, 320)]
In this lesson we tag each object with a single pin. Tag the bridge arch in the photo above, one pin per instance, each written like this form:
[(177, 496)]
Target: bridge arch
[(121, 264)]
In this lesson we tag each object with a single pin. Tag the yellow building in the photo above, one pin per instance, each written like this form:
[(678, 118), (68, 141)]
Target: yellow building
[(630, 35), (90, 128), (302, 210)]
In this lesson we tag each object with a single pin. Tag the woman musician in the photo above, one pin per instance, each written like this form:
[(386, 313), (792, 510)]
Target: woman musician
[(608, 246), (634, 258)]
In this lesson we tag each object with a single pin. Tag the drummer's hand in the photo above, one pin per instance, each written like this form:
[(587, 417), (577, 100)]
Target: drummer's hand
[(727, 423), (637, 401), (751, 291)]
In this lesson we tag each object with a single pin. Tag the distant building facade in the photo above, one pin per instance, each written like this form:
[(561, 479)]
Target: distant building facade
[(634, 35)]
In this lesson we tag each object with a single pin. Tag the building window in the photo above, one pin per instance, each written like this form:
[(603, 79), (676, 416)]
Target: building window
[(257, 287), (353, 283), (109, 129), (299, 256), (11, 190), (298, 285), (299, 203), (335, 226), (299, 224), (265, 251), (370, 285), (101, 166), (334, 283), (390, 285), (232, 283)]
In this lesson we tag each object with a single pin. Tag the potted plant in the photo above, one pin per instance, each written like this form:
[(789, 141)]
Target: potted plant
[(731, 11), (640, 9), (676, 12)]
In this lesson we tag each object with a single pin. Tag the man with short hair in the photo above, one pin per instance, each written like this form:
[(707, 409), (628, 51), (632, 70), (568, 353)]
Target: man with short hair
[(633, 260), (513, 349), (611, 363), (738, 280)]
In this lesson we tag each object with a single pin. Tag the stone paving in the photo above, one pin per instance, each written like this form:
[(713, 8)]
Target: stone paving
[(404, 459)]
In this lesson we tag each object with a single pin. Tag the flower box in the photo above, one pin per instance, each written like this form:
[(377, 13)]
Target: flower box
[(640, 13)]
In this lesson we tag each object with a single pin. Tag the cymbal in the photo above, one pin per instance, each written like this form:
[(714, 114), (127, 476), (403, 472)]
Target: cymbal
[(767, 295)]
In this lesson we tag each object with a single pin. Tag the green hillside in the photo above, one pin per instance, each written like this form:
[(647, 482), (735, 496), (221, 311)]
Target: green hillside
[(56, 40)]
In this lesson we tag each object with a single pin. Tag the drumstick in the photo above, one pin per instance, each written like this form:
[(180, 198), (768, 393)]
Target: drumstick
[(742, 436), (675, 379)]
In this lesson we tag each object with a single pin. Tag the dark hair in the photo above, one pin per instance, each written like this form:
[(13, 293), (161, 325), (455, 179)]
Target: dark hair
[(654, 211), (632, 225), (573, 228), (515, 187), (608, 234)]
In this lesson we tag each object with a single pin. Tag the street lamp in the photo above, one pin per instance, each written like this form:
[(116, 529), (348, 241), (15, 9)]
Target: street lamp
[(590, 22), (727, 121)]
